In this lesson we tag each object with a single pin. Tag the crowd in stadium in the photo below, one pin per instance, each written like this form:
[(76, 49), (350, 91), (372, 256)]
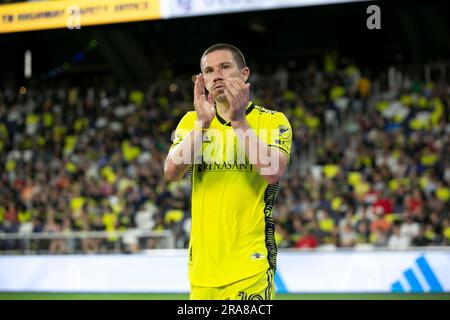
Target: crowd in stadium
[(370, 159)]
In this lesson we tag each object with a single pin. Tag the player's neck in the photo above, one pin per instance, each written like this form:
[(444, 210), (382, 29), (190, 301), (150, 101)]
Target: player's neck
[(222, 109)]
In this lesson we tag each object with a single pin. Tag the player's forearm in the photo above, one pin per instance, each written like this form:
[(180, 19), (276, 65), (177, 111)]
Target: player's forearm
[(183, 156), (266, 160)]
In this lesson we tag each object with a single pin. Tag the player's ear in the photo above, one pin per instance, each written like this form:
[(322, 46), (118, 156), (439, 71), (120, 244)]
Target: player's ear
[(245, 73)]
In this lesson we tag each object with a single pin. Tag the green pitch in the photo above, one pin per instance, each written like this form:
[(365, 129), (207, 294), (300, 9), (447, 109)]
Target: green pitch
[(156, 296)]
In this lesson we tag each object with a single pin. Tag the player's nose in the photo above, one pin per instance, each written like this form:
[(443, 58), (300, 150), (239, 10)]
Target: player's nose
[(218, 78)]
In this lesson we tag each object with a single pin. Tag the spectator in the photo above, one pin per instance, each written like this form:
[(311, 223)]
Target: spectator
[(409, 229), (98, 162), (307, 240), (397, 241), (348, 237), (421, 240)]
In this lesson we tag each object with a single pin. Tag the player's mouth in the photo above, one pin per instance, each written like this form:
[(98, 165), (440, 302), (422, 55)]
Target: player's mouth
[(219, 86)]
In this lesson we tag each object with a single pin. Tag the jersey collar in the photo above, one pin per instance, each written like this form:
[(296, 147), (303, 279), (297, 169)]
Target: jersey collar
[(250, 107)]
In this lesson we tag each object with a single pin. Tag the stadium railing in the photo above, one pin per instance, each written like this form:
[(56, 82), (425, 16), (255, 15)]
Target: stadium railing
[(109, 241)]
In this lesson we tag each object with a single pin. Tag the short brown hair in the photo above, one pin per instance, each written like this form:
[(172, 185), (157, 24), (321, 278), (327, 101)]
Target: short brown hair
[(237, 54)]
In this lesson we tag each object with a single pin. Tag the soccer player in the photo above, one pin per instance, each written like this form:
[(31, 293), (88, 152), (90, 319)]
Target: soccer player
[(236, 153)]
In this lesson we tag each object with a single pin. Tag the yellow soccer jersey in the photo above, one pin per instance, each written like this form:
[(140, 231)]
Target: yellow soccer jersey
[(232, 229)]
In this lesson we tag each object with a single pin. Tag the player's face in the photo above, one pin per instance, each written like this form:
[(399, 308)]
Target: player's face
[(218, 66)]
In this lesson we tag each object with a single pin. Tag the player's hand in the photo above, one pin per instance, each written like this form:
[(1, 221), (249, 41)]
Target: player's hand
[(205, 109), (238, 96)]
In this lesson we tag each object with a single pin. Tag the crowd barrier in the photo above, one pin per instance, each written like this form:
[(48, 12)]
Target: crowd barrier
[(165, 271)]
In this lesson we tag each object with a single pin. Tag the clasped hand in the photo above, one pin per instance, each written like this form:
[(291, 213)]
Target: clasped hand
[(238, 96)]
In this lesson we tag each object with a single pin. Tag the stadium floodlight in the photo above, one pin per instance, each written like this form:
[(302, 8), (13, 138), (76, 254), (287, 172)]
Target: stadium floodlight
[(27, 65)]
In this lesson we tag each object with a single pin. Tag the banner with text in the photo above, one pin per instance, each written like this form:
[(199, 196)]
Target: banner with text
[(187, 8), (74, 14)]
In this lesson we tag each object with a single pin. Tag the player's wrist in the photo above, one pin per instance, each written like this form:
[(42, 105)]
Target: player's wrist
[(201, 125), (239, 123)]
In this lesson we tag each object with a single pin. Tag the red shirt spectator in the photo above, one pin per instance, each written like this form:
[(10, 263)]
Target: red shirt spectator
[(414, 203), (11, 214), (307, 241), (386, 204)]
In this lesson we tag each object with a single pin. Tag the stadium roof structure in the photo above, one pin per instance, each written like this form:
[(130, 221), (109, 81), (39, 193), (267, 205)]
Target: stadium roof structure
[(135, 52)]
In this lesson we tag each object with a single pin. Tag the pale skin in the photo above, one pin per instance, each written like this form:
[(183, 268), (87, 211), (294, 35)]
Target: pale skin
[(229, 94)]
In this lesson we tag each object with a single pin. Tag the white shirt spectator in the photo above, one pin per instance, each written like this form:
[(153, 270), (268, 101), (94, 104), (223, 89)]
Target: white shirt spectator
[(409, 230), (348, 236), (398, 242), (144, 218)]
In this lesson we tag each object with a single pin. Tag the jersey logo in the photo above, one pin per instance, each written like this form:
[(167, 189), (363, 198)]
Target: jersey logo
[(225, 166), (207, 138), (285, 132), (257, 256)]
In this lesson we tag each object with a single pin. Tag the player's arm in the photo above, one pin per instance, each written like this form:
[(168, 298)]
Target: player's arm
[(270, 162), (189, 150), (183, 155)]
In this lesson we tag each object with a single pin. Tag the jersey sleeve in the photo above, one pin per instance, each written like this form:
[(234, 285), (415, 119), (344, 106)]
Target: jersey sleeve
[(280, 133), (185, 126)]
